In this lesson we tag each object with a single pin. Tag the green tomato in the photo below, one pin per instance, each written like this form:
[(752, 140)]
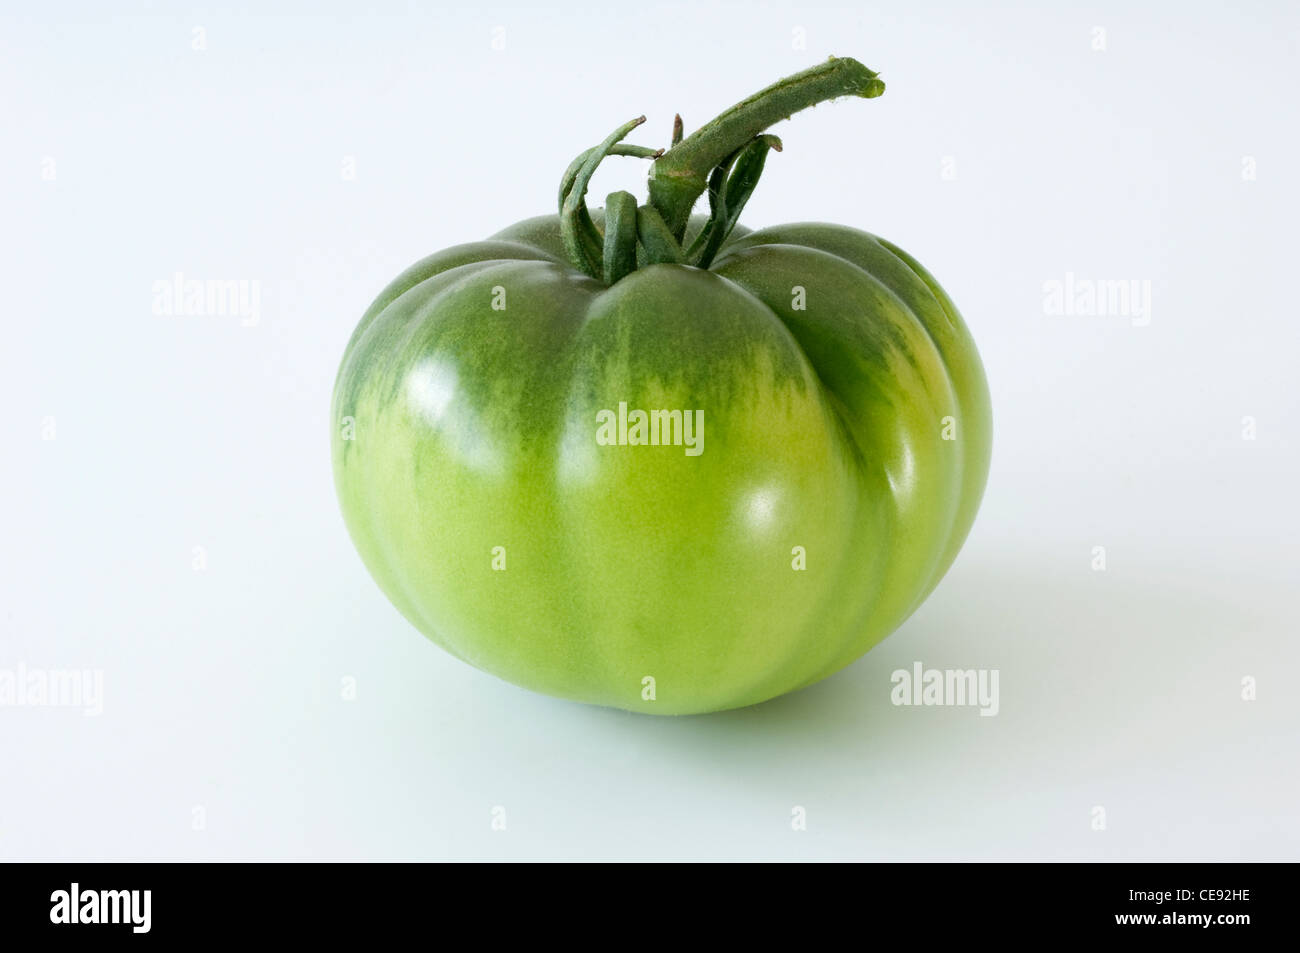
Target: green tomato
[(693, 487)]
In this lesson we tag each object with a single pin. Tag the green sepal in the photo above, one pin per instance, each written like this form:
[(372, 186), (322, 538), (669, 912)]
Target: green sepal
[(620, 236)]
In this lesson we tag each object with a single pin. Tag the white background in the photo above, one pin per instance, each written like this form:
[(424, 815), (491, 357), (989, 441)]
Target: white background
[(1120, 689)]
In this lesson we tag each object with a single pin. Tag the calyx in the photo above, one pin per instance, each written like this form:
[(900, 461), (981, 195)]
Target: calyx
[(724, 157)]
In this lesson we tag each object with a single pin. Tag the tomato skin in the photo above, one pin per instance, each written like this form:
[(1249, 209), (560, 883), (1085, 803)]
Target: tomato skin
[(846, 441)]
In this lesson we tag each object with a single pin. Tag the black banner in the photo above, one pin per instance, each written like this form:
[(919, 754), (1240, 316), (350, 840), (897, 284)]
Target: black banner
[(137, 902)]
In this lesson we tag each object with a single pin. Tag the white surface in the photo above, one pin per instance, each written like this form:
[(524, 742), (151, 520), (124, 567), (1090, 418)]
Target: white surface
[(1119, 689)]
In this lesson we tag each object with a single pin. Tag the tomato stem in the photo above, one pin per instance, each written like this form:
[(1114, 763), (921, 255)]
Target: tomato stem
[(681, 175), (724, 157)]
